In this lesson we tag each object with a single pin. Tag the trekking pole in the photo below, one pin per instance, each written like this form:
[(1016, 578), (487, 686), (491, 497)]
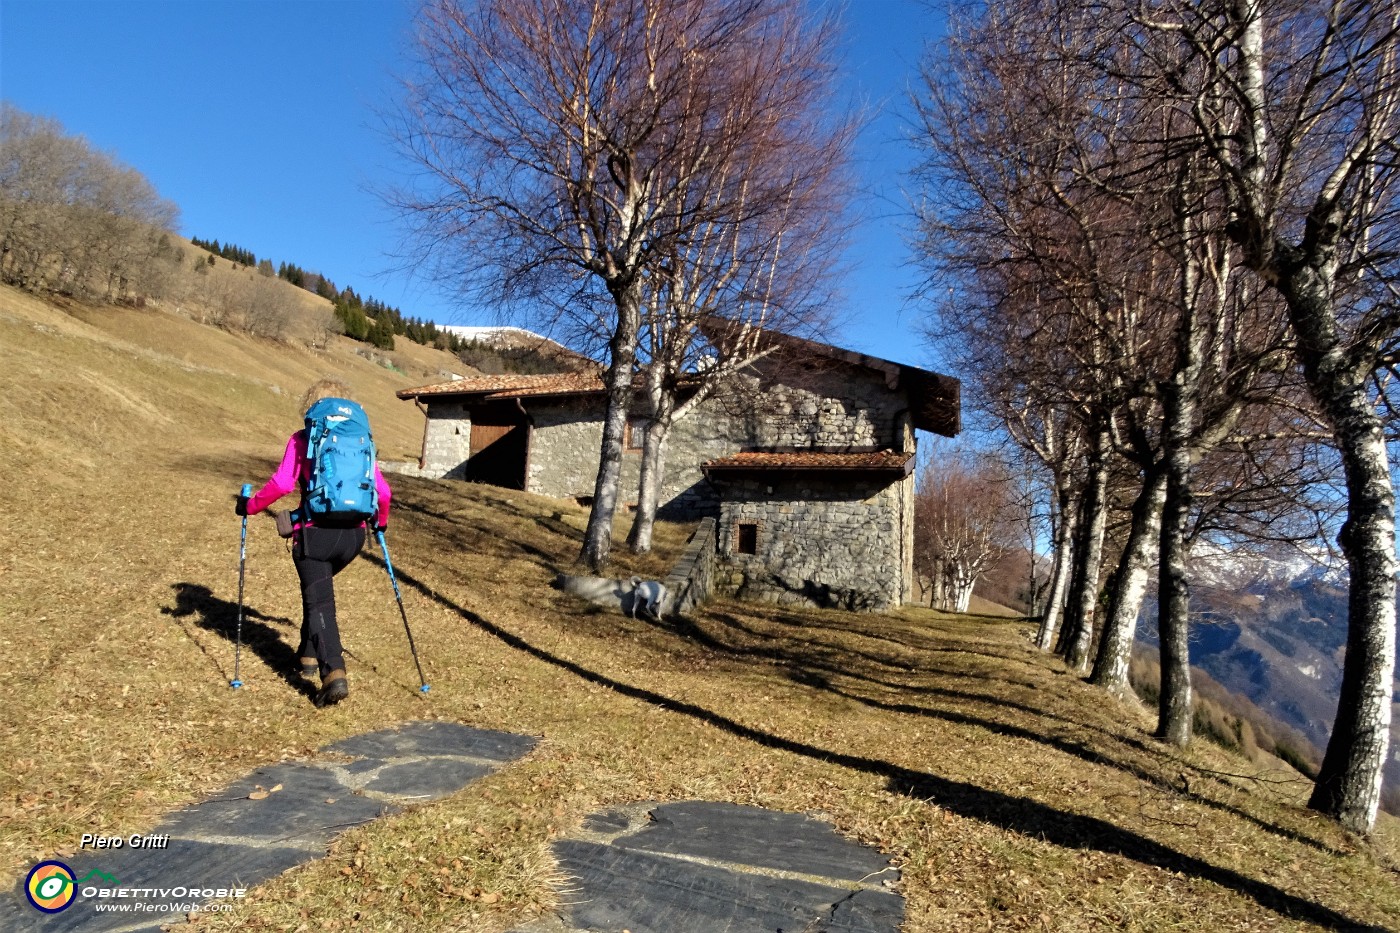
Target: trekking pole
[(245, 492), (389, 566)]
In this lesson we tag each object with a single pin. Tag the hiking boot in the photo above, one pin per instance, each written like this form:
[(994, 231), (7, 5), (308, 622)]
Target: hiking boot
[(309, 668), (334, 688)]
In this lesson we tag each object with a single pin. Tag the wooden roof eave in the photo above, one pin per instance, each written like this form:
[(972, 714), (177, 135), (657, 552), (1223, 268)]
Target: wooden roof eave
[(760, 469)]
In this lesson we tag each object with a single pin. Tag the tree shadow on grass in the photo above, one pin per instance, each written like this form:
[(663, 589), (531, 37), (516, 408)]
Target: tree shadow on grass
[(195, 602), (818, 673), (487, 539), (913, 640), (1016, 814), (889, 662)]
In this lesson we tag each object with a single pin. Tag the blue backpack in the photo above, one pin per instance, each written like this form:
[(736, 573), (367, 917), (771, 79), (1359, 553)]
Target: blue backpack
[(340, 492)]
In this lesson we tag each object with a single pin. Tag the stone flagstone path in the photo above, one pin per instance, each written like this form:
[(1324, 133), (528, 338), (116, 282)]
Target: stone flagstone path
[(684, 867), (237, 840), (695, 867)]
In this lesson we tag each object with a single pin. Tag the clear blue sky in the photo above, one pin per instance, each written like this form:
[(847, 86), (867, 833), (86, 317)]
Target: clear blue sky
[(256, 117)]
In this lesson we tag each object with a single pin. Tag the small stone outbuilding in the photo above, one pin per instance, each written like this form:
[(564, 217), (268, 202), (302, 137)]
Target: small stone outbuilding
[(820, 528), (806, 463)]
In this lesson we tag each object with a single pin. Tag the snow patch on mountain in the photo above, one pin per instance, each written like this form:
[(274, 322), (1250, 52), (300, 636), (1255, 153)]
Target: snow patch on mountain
[(1215, 564), (1274, 630), (503, 336)]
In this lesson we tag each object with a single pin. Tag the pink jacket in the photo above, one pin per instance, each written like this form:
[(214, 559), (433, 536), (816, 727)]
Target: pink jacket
[(293, 473)]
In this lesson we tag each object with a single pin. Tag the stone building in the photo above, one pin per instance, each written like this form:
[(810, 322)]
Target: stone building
[(806, 462)]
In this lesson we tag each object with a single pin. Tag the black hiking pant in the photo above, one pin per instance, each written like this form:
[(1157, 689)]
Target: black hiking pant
[(320, 554)]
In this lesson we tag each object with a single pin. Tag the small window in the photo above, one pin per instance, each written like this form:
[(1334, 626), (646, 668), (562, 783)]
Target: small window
[(635, 434), (747, 538)]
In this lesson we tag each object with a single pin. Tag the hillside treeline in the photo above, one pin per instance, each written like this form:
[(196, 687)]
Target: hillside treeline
[(366, 319), (238, 254), (75, 220)]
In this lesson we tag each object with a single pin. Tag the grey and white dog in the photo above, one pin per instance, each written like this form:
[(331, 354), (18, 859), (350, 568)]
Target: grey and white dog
[(649, 596), (630, 595)]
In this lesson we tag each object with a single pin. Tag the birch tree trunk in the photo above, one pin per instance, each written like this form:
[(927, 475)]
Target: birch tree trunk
[(963, 590), (597, 538), (1173, 602), (1348, 212), (1059, 579), (1130, 585), (1180, 405), (1084, 591), (653, 469), (1349, 782)]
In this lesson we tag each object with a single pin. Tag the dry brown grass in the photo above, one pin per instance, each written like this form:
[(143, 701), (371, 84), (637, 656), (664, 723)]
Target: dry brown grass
[(1012, 795)]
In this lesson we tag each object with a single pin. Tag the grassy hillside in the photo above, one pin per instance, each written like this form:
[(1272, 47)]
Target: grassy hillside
[(1011, 795)]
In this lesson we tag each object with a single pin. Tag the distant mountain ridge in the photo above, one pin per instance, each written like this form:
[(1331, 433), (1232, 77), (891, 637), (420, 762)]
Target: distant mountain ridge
[(494, 350), (1275, 632)]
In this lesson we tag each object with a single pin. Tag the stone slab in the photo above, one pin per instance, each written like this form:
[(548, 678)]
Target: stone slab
[(757, 837), (435, 738), (618, 889), (311, 806), (865, 912), (721, 868), (426, 778), (231, 840)]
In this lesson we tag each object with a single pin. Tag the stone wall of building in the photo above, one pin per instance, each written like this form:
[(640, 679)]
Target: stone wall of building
[(831, 542), (564, 456), (692, 579), (816, 407), (565, 435), (840, 541), (447, 438), (904, 493), (817, 403), (810, 404)]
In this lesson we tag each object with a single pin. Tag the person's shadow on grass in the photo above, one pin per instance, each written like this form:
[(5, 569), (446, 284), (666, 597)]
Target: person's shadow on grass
[(197, 603)]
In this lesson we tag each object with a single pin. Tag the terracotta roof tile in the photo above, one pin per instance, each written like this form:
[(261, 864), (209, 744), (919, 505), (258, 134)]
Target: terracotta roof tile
[(935, 399), (512, 386), (814, 460)]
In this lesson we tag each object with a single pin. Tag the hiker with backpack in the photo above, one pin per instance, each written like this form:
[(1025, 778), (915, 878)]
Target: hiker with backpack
[(331, 461)]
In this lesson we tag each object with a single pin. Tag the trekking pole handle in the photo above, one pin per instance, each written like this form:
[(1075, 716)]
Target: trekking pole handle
[(237, 682), (245, 492)]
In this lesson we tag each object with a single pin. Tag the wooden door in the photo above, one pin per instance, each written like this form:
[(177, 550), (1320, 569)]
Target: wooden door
[(499, 445), (484, 435)]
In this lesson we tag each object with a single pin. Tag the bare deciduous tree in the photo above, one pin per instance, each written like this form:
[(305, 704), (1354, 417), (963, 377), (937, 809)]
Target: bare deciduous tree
[(72, 218), (1243, 135), (267, 306), (761, 233), (568, 148), (965, 521), (1299, 109)]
